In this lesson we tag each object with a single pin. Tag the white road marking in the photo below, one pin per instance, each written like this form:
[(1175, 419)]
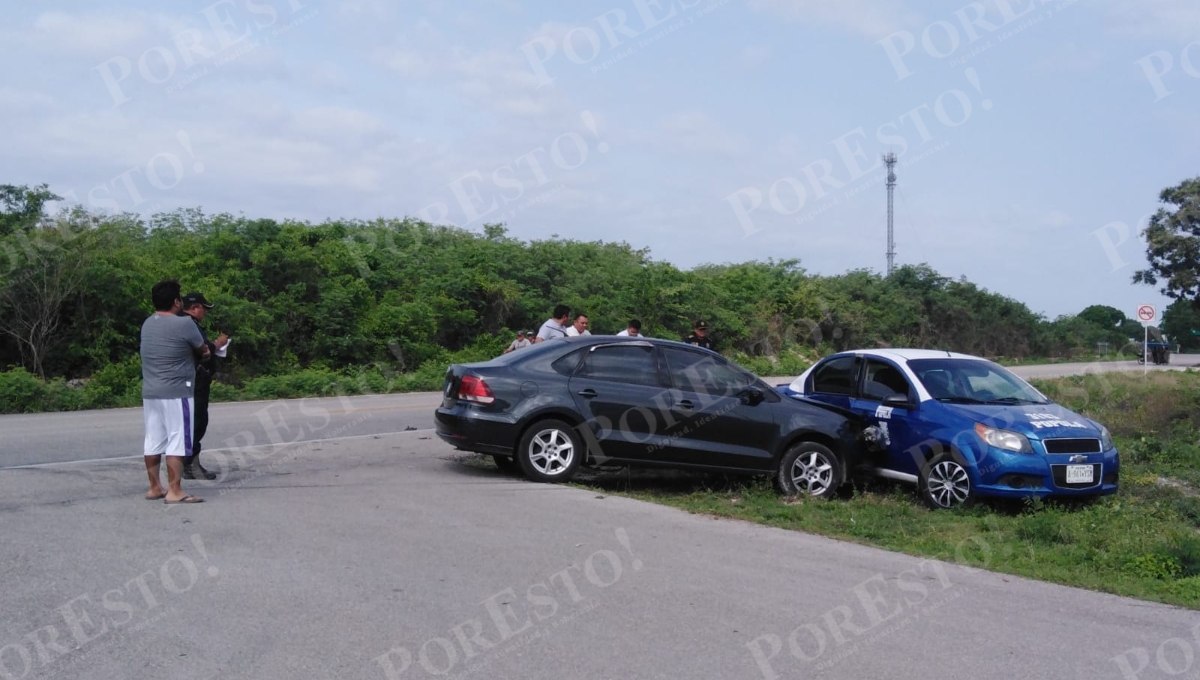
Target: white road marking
[(302, 441)]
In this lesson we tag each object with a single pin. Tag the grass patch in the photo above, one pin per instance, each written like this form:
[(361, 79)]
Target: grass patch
[(1143, 542)]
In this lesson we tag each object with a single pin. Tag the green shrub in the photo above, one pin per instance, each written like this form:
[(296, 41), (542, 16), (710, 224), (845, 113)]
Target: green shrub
[(313, 382), (1155, 566), (21, 392), (115, 385), (1188, 507), (1185, 551), (221, 391)]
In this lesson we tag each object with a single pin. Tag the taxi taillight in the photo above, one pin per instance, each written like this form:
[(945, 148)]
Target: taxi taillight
[(473, 388)]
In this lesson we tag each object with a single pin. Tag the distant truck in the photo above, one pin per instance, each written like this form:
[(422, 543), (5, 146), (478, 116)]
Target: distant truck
[(1158, 352)]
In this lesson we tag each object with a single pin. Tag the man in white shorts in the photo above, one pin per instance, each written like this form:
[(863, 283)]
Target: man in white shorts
[(170, 346)]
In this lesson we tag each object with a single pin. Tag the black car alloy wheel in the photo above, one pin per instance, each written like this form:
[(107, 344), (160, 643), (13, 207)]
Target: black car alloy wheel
[(550, 451), (809, 469)]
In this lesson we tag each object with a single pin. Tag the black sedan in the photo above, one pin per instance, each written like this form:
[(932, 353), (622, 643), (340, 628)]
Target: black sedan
[(608, 400)]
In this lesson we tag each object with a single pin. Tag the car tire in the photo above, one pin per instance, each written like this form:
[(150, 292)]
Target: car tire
[(506, 464), (944, 483), (809, 469), (550, 451)]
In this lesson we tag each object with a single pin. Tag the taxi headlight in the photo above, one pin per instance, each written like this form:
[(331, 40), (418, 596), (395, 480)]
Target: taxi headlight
[(1106, 442), (1003, 439)]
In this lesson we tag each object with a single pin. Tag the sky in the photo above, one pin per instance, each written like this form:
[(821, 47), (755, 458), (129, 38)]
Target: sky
[(1032, 137)]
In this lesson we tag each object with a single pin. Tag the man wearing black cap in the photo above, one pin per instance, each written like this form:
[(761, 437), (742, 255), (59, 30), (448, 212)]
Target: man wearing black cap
[(699, 336), (196, 306)]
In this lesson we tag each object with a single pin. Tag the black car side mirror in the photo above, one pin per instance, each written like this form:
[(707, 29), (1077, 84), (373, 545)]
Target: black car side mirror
[(897, 401), (752, 396)]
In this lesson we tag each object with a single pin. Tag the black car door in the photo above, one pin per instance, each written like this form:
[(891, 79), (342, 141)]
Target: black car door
[(615, 390), (711, 422)]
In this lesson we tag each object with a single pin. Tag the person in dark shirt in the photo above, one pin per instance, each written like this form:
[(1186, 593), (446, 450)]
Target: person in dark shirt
[(699, 336), (196, 306)]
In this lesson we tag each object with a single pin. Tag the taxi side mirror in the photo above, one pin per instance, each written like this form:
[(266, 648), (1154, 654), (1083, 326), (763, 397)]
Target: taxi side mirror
[(897, 401)]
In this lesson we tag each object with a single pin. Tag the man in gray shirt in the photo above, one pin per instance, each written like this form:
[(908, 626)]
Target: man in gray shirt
[(170, 346)]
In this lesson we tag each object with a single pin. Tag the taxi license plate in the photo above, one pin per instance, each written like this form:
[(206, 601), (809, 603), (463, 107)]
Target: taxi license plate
[(1080, 474)]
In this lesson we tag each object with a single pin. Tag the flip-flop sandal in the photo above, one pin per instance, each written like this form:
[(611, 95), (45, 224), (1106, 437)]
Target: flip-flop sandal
[(185, 499), (155, 498)]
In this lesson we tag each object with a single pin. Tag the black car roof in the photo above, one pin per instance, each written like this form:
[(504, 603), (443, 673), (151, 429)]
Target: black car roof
[(574, 342)]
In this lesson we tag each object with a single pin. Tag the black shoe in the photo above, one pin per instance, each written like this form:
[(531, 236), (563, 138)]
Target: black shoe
[(197, 471)]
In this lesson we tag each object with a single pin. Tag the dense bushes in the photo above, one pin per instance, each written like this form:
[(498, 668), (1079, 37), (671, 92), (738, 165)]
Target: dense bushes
[(390, 300)]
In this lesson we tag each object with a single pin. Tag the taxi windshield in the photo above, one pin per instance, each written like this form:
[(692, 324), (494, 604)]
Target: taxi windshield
[(973, 381)]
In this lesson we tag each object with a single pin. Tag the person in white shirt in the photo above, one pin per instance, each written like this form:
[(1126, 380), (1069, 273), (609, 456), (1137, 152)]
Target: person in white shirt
[(521, 341), (580, 326), (633, 329), (556, 326)]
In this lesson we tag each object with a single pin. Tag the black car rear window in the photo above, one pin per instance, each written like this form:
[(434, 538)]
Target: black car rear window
[(634, 365), (566, 365)]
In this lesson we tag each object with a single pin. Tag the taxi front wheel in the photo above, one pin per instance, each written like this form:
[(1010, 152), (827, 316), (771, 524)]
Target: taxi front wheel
[(944, 483)]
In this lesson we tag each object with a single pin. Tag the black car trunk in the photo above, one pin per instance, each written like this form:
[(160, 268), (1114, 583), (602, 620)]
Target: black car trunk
[(450, 388)]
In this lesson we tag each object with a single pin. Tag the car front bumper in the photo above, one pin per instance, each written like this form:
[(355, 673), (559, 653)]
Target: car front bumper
[(1021, 475)]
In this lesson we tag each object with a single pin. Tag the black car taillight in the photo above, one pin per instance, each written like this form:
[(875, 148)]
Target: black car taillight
[(473, 388)]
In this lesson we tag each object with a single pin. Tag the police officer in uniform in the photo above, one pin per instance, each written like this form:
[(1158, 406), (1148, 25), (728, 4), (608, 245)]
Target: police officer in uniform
[(196, 306), (699, 336)]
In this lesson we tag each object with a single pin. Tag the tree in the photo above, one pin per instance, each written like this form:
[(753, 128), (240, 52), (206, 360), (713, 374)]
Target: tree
[(1181, 323), (32, 293), (21, 208), (1106, 317), (1173, 243)]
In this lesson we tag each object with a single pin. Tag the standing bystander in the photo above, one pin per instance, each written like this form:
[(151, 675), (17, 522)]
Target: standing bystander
[(555, 326), (170, 347), (699, 336), (196, 307)]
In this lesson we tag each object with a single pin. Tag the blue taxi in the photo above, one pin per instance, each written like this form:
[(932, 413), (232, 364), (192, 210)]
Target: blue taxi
[(961, 427)]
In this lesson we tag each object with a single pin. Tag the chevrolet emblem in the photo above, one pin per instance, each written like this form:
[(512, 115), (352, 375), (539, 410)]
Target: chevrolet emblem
[(1078, 459)]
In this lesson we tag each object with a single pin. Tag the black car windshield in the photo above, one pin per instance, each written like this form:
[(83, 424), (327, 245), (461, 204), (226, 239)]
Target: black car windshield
[(972, 381)]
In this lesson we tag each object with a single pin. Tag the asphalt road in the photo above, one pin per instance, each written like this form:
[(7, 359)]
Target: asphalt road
[(396, 557), (364, 551)]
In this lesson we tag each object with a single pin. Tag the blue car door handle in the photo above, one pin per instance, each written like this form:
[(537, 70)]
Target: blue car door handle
[(589, 393), (685, 405)]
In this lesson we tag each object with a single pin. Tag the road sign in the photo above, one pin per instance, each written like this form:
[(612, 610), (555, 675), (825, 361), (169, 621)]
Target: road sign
[(1145, 313)]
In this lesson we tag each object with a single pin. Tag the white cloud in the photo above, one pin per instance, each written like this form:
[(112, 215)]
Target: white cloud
[(13, 100), (870, 18), (330, 76), (370, 8), (1056, 219), (498, 79), (1156, 19), (1070, 57), (412, 63), (693, 131), (755, 55), (102, 34)]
